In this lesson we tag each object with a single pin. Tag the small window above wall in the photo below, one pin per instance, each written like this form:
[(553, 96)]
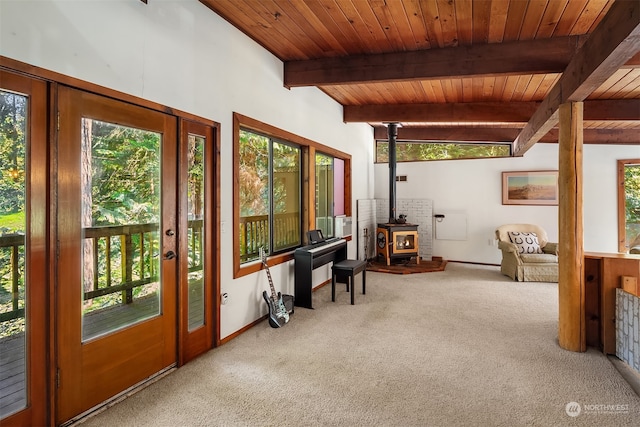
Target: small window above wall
[(421, 151)]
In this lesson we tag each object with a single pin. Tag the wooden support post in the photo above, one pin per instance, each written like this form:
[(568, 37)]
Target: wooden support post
[(571, 287)]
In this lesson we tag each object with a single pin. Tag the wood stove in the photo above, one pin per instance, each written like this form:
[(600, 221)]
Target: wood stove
[(396, 238), (397, 241)]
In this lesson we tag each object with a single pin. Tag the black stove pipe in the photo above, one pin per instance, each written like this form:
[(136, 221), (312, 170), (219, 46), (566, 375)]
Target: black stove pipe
[(392, 130)]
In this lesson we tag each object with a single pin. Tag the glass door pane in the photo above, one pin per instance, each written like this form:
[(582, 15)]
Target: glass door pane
[(121, 226), (196, 230), (13, 280), (197, 215)]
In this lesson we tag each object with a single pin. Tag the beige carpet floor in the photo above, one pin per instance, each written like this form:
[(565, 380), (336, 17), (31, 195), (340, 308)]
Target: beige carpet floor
[(461, 347)]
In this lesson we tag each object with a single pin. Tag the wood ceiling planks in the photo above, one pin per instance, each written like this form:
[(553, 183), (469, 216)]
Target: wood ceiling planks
[(353, 27), (302, 30)]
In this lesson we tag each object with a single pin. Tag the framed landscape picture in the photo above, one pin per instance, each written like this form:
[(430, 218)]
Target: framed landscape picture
[(530, 188)]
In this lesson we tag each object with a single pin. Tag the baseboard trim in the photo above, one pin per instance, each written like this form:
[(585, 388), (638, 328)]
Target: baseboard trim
[(243, 329), (475, 263), (630, 376)]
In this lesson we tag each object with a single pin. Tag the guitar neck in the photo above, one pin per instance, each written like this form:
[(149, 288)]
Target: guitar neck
[(273, 289)]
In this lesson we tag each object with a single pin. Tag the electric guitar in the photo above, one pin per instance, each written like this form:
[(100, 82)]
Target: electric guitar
[(278, 314)]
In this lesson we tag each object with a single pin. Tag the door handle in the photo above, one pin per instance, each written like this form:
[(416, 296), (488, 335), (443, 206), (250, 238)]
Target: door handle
[(170, 255)]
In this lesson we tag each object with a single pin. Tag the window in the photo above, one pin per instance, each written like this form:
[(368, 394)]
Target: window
[(628, 204), (270, 201), (284, 186), (324, 194), (414, 151), (329, 192)]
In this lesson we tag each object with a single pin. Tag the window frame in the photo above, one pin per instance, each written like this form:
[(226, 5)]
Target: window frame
[(308, 150), (622, 199)]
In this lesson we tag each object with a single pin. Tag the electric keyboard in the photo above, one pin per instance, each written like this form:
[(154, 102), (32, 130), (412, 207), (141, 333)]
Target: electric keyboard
[(307, 259), (324, 246)]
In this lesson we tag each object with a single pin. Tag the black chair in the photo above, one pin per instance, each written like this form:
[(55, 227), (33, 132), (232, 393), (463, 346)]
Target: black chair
[(347, 270)]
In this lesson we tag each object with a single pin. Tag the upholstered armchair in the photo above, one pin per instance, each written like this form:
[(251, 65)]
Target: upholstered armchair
[(527, 255)]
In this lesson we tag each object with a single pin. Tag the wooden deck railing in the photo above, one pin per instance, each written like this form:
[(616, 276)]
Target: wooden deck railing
[(131, 249), (14, 245), (254, 234), (122, 258)]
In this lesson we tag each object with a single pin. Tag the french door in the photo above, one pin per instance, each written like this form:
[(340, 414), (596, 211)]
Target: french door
[(108, 247), (117, 244)]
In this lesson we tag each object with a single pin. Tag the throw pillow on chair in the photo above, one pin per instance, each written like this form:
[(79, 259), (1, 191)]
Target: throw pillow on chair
[(527, 243)]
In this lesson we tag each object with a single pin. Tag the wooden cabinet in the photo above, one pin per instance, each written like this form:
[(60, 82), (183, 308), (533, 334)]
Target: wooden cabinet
[(602, 275)]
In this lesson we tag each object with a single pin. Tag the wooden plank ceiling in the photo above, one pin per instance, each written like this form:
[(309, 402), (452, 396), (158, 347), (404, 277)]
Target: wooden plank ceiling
[(461, 70)]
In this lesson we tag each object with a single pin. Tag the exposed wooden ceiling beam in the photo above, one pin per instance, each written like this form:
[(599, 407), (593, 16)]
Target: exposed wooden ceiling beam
[(634, 62), (504, 112), (475, 134), (600, 136), (521, 57), (612, 110), (613, 42), (517, 112)]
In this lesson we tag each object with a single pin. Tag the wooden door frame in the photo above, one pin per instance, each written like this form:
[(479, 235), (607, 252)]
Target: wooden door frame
[(194, 343), (37, 254)]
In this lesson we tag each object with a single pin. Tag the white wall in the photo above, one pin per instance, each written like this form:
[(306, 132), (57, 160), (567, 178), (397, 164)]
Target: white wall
[(475, 188), (182, 55)]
